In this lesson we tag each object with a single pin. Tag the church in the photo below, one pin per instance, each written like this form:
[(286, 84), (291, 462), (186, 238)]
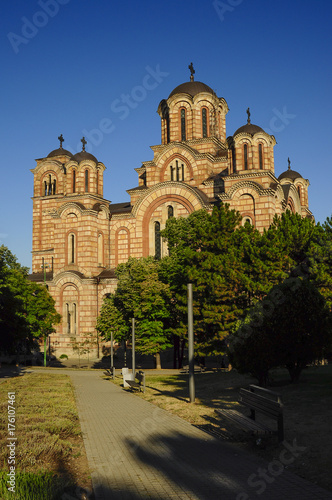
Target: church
[(79, 237)]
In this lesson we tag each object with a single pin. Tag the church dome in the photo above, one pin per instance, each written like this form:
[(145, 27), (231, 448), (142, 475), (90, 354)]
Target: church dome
[(192, 88), (248, 128), (84, 155), (290, 174), (59, 152)]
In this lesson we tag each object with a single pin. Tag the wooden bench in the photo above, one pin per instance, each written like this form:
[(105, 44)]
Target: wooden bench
[(197, 369), (261, 400), (139, 381)]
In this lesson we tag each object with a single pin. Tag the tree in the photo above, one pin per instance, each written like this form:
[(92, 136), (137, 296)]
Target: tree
[(225, 262), (140, 295), (291, 327), (27, 311)]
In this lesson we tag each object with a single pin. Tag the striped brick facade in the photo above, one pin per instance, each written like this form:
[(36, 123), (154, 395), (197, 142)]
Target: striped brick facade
[(79, 237)]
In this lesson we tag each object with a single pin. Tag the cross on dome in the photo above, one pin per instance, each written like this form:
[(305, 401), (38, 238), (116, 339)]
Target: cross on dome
[(61, 139), (249, 114), (192, 71), (84, 142)]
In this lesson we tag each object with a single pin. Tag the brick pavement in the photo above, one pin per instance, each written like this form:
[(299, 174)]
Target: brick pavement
[(137, 451)]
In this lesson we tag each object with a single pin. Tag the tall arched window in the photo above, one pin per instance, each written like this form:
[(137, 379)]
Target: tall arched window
[(74, 181), (71, 248), (170, 211), (183, 124), (68, 319), (260, 154), (157, 240), (49, 186), (245, 156), (74, 318), (204, 122), (100, 250), (86, 174), (97, 181)]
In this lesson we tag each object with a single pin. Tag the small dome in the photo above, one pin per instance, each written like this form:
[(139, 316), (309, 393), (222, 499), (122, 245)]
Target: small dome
[(290, 174), (248, 128), (191, 88), (59, 152), (84, 155)]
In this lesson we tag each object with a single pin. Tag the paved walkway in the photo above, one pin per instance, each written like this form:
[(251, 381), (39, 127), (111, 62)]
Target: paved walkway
[(137, 451)]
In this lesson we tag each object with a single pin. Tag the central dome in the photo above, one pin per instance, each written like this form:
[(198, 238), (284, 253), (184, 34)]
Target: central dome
[(191, 88)]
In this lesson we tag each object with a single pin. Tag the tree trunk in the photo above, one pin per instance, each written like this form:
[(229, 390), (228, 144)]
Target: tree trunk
[(158, 361)]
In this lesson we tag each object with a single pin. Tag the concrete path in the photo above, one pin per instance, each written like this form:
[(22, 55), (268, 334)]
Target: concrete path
[(137, 451)]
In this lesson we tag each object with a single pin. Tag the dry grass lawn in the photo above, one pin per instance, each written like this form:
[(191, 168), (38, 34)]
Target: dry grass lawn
[(48, 435)]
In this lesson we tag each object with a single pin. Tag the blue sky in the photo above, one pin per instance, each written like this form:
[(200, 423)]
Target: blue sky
[(68, 66)]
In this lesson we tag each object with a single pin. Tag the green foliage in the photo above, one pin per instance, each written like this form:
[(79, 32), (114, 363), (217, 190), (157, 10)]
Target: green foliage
[(230, 267), (43, 485), (140, 295), (291, 327), (27, 311)]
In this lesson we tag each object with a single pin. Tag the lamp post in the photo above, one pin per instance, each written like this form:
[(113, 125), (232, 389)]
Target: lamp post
[(44, 266), (191, 344)]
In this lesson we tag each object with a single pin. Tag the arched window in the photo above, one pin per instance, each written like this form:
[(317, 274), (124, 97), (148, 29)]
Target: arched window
[(170, 211), (74, 318), (71, 248), (100, 250), (49, 186), (183, 124), (299, 191), (157, 240), (247, 220), (74, 181), (245, 156), (204, 122), (86, 175), (68, 319), (172, 172), (234, 160), (97, 181), (177, 170), (260, 154)]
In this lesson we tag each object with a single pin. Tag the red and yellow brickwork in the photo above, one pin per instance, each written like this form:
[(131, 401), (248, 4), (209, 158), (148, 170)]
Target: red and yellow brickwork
[(79, 237)]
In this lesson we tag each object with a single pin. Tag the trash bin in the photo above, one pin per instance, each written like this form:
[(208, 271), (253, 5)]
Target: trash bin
[(127, 376)]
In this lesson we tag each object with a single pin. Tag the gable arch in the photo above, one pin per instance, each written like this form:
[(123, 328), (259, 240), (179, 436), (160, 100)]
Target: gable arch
[(182, 160), (245, 187)]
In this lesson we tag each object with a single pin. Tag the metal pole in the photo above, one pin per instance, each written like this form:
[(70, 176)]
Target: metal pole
[(133, 345), (191, 344), (111, 350), (45, 265)]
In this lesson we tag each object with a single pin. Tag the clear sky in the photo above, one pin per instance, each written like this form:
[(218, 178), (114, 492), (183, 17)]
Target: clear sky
[(100, 68)]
